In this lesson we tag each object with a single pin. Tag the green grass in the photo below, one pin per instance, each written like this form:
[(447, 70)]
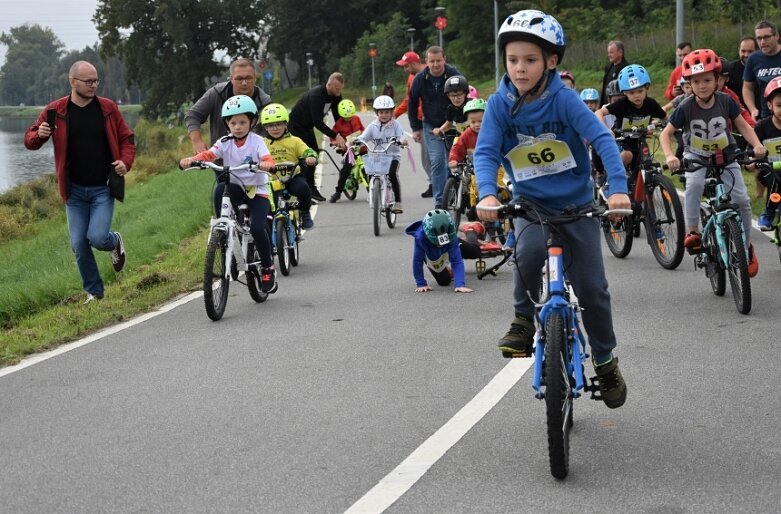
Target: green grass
[(40, 296)]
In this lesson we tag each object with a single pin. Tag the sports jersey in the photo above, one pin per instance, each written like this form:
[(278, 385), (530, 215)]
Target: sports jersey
[(288, 148), (542, 147), (629, 116), (382, 133), (706, 130), (253, 149), (770, 136), (437, 258), (760, 69)]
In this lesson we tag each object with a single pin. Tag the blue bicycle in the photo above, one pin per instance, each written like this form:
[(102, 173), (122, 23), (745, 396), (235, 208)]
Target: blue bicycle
[(286, 227), (560, 342)]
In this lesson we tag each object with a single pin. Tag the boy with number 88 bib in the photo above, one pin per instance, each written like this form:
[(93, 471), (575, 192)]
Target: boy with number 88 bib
[(535, 126)]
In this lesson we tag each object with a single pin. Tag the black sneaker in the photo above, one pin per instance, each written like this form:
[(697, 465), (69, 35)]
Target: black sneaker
[(519, 340), (306, 221), (267, 280), (335, 197), (611, 384), (428, 193), (118, 257), (316, 195)]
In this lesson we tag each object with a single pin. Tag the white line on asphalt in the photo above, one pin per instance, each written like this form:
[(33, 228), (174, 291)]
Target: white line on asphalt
[(401, 479), (40, 357)]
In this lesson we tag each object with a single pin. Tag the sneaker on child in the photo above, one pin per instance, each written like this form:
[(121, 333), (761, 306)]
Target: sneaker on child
[(519, 340)]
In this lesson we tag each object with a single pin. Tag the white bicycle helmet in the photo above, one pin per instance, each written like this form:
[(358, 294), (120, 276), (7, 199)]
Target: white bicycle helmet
[(536, 27), (383, 102)]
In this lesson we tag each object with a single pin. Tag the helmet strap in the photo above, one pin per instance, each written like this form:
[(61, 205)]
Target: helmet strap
[(532, 92)]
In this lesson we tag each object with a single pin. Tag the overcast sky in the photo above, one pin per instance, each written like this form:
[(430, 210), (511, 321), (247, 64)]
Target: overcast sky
[(70, 20)]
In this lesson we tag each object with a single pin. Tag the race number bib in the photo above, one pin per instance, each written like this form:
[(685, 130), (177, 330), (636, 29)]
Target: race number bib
[(439, 264), (535, 157), (461, 127), (639, 123), (707, 146), (773, 146)]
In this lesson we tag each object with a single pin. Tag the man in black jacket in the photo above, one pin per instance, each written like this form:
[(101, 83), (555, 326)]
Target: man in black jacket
[(615, 54), (309, 113), (428, 86)]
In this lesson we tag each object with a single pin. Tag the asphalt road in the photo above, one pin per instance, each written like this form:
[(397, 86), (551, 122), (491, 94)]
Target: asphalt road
[(307, 402)]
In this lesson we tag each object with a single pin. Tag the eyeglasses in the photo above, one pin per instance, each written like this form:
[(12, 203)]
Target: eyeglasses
[(90, 82), (763, 38), (245, 80)]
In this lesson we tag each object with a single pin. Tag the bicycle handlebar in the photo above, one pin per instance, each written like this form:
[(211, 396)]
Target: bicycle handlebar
[(532, 214), (202, 165)]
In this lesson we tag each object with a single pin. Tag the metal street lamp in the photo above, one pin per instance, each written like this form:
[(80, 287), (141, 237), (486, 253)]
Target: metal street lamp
[(309, 63), (373, 54), (441, 22), (411, 32)]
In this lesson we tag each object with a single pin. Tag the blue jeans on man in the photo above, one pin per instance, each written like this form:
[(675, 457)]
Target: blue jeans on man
[(90, 210), (437, 154)]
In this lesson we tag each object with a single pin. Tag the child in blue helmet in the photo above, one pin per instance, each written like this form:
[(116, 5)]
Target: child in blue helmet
[(590, 97), (437, 246), (533, 112), (635, 110), (240, 115)]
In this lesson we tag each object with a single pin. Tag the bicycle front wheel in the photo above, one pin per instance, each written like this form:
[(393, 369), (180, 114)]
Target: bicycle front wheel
[(737, 267), (376, 205), (215, 281), (451, 199), (295, 244), (283, 243), (390, 216), (664, 222), (619, 235), (253, 274), (558, 395)]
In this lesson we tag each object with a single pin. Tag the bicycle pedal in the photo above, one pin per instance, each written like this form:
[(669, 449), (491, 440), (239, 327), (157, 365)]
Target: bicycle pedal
[(593, 389)]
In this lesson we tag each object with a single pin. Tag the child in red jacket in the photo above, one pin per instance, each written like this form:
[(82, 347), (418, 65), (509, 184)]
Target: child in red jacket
[(348, 125)]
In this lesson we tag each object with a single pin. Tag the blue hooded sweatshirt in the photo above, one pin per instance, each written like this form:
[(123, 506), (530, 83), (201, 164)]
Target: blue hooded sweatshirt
[(558, 113), (425, 253)]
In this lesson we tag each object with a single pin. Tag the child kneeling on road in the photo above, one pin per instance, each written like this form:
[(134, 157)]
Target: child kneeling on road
[(437, 246)]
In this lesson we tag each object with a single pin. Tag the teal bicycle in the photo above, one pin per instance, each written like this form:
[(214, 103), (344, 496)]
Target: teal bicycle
[(724, 250)]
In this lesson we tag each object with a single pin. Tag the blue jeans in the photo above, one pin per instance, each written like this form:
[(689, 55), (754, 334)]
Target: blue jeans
[(585, 271), (89, 210), (437, 154)]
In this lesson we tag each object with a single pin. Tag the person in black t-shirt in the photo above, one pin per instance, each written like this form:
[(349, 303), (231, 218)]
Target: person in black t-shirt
[(635, 111), (309, 113), (93, 151), (768, 131)]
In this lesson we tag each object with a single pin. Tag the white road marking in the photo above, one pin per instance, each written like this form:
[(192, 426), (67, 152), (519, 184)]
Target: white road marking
[(401, 479), (40, 357)]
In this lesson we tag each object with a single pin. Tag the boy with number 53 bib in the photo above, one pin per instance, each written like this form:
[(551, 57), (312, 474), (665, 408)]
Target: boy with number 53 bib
[(535, 126)]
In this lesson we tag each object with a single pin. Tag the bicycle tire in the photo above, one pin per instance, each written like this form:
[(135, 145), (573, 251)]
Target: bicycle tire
[(350, 192), (668, 215), (215, 282), (283, 242), (390, 216), (737, 267), (451, 199), (376, 205), (253, 275), (294, 252), (619, 235), (558, 395)]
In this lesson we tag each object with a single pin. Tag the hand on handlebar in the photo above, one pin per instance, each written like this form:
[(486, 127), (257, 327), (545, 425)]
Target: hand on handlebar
[(673, 163), (760, 151), (485, 214)]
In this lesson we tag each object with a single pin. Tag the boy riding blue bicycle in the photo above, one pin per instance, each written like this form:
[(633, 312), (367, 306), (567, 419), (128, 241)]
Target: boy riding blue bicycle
[(535, 126)]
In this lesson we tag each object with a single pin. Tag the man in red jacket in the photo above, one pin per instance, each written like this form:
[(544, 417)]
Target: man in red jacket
[(410, 61), (93, 151)]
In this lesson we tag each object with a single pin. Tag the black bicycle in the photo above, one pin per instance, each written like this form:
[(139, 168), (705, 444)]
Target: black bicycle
[(656, 206)]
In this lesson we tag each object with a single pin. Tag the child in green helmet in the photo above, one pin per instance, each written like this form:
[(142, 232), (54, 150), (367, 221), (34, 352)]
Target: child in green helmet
[(349, 124), (437, 246)]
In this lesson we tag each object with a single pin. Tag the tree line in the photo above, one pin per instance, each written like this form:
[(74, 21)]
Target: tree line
[(171, 50)]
